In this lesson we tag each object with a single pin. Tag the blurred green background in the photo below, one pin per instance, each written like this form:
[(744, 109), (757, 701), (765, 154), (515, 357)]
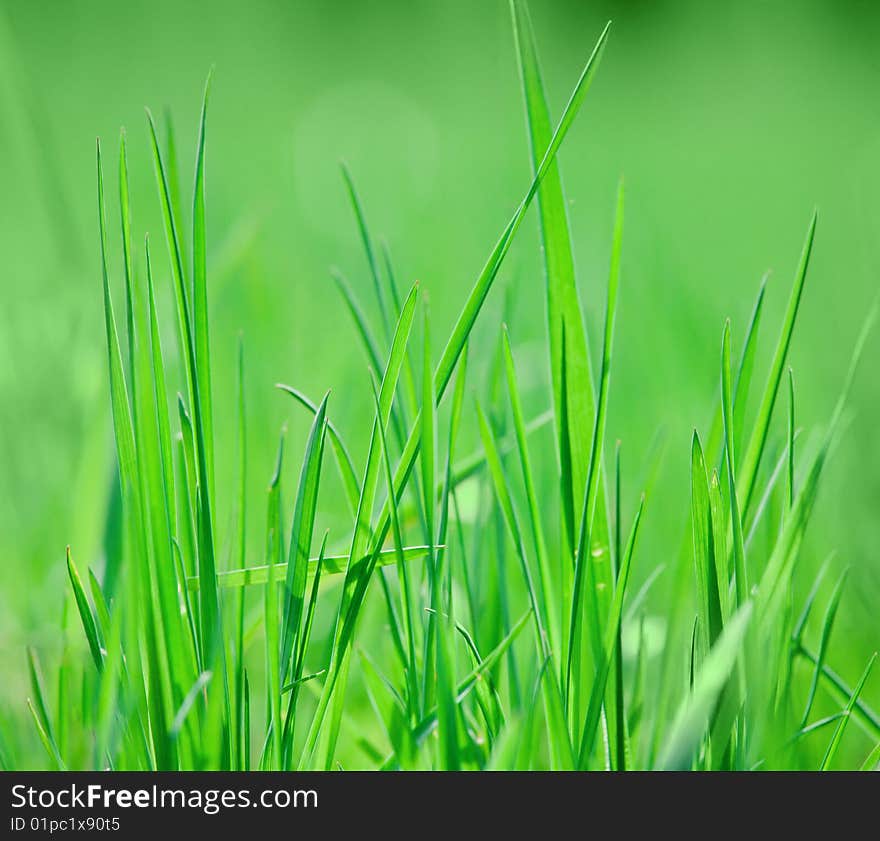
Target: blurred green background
[(728, 121)]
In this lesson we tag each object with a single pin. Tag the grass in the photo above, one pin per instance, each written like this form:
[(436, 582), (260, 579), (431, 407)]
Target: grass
[(493, 639)]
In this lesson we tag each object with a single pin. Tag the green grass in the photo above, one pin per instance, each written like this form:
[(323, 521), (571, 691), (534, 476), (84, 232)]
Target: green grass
[(480, 602)]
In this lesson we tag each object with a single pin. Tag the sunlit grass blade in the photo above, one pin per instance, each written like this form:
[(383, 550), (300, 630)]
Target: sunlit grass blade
[(189, 701), (487, 695), (200, 293), (621, 737), (505, 501), (689, 725), (549, 591), (560, 746), (710, 613), (368, 250), (331, 565), (455, 416), (406, 607), (160, 393), (357, 578), (824, 638), (173, 169), (343, 459), (761, 427), (301, 539), (791, 437), (466, 684), (45, 738), (739, 558), (564, 318), (85, 613), (102, 610), (478, 294), (773, 585), (39, 709), (609, 643), (473, 304), (436, 681), (125, 224), (746, 367), (872, 761), (122, 422), (274, 547), (209, 604), (362, 325), (309, 619), (865, 716), (591, 587), (834, 744), (240, 550), (299, 656)]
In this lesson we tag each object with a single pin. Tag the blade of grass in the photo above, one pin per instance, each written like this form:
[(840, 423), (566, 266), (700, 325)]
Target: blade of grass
[(241, 551), (585, 572), (690, 722), (357, 578), (836, 739), (761, 428), (791, 436), (209, 603), (864, 715), (122, 423), (368, 249), (739, 558), (597, 693), (550, 606), (343, 459), (200, 293), (410, 665), (746, 367), (827, 626), (475, 300), (711, 618), (572, 384), (371, 346), (331, 565), (274, 554), (301, 539), (85, 613)]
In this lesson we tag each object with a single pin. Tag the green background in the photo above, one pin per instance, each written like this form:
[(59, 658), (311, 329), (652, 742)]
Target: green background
[(729, 122)]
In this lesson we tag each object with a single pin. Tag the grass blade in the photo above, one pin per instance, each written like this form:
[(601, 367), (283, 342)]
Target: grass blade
[(368, 250), (478, 294), (586, 561), (710, 613), (690, 722), (343, 459), (761, 429), (330, 565), (834, 744), (564, 318), (550, 606), (301, 538), (85, 613), (827, 625), (200, 293), (739, 558), (597, 694)]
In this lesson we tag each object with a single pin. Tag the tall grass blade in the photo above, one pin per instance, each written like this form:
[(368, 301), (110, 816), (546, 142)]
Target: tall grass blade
[(690, 722), (301, 539), (564, 318), (836, 739), (761, 428)]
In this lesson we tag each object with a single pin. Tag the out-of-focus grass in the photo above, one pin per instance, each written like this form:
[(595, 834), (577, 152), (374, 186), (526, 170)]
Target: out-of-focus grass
[(727, 124)]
